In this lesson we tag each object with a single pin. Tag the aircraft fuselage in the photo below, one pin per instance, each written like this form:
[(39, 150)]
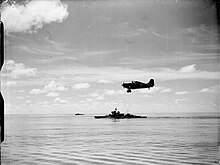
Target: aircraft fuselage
[(138, 85), (135, 86)]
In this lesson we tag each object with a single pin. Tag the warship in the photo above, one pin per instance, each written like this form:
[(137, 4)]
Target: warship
[(79, 114), (118, 115)]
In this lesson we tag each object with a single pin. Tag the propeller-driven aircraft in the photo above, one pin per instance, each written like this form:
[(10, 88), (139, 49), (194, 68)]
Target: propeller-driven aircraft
[(138, 85)]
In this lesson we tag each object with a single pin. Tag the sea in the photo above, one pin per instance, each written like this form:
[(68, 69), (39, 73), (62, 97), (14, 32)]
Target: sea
[(83, 140)]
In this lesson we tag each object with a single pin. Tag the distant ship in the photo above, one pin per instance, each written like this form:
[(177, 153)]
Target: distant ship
[(79, 114), (118, 115)]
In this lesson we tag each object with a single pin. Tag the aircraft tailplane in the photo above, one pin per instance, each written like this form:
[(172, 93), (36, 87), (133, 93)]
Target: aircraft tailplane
[(151, 82)]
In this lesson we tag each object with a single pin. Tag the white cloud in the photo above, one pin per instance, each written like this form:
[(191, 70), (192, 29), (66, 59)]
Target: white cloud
[(52, 86), (125, 29), (21, 91), (110, 92), (10, 83), (120, 74), (99, 98), (94, 95), (181, 93), (42, 50), (176, 101), (17, 70), (155, 89), (45, 102), (81, 86), (28, 101), (59, 100), (104, 52), (188, 69), (106, 92), (105, 82), (151, 90), (89, 100), (113, 92), (166, 90), (147, 96), (158, 35), (213, 89), (52, 94), (206, 90), (36, 91), (33, 15)]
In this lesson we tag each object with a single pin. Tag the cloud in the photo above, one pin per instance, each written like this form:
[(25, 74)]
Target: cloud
[(87, 100), (202, 33), (213, 89), (10, 83), (94, 95), (59, 100), (120, 74), (107, 92), (32, 15), (28, 101), (103, 52), (158, 35), (52, 86), (17, 70), (155, 89), (81, 86), (45, 103), (206, 90), (99, 98), (110, 92), (125, 29), (177, 101), (42, 50), (181, 93), (113, 92), (105, 82), (52, 94), (166, 90), (188, 69), (36, 91), (152, 90)]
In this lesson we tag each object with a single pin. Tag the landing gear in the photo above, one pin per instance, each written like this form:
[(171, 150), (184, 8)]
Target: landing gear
[(129, 91)]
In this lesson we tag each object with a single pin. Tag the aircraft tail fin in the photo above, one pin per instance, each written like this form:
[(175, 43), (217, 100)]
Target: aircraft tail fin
[(151, 82)]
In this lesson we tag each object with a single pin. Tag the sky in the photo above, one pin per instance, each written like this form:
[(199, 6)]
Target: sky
[(66, 57)]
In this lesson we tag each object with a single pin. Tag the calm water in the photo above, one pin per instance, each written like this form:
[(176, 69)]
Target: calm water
[(82, 140)]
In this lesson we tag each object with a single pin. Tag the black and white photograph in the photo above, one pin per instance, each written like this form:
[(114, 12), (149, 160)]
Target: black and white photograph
[(110, 82)]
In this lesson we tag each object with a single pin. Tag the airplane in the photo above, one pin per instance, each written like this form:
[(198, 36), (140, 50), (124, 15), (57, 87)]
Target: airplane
[(138, 85)]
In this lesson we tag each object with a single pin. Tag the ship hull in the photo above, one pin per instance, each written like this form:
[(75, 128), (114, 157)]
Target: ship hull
[(110, 117)]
